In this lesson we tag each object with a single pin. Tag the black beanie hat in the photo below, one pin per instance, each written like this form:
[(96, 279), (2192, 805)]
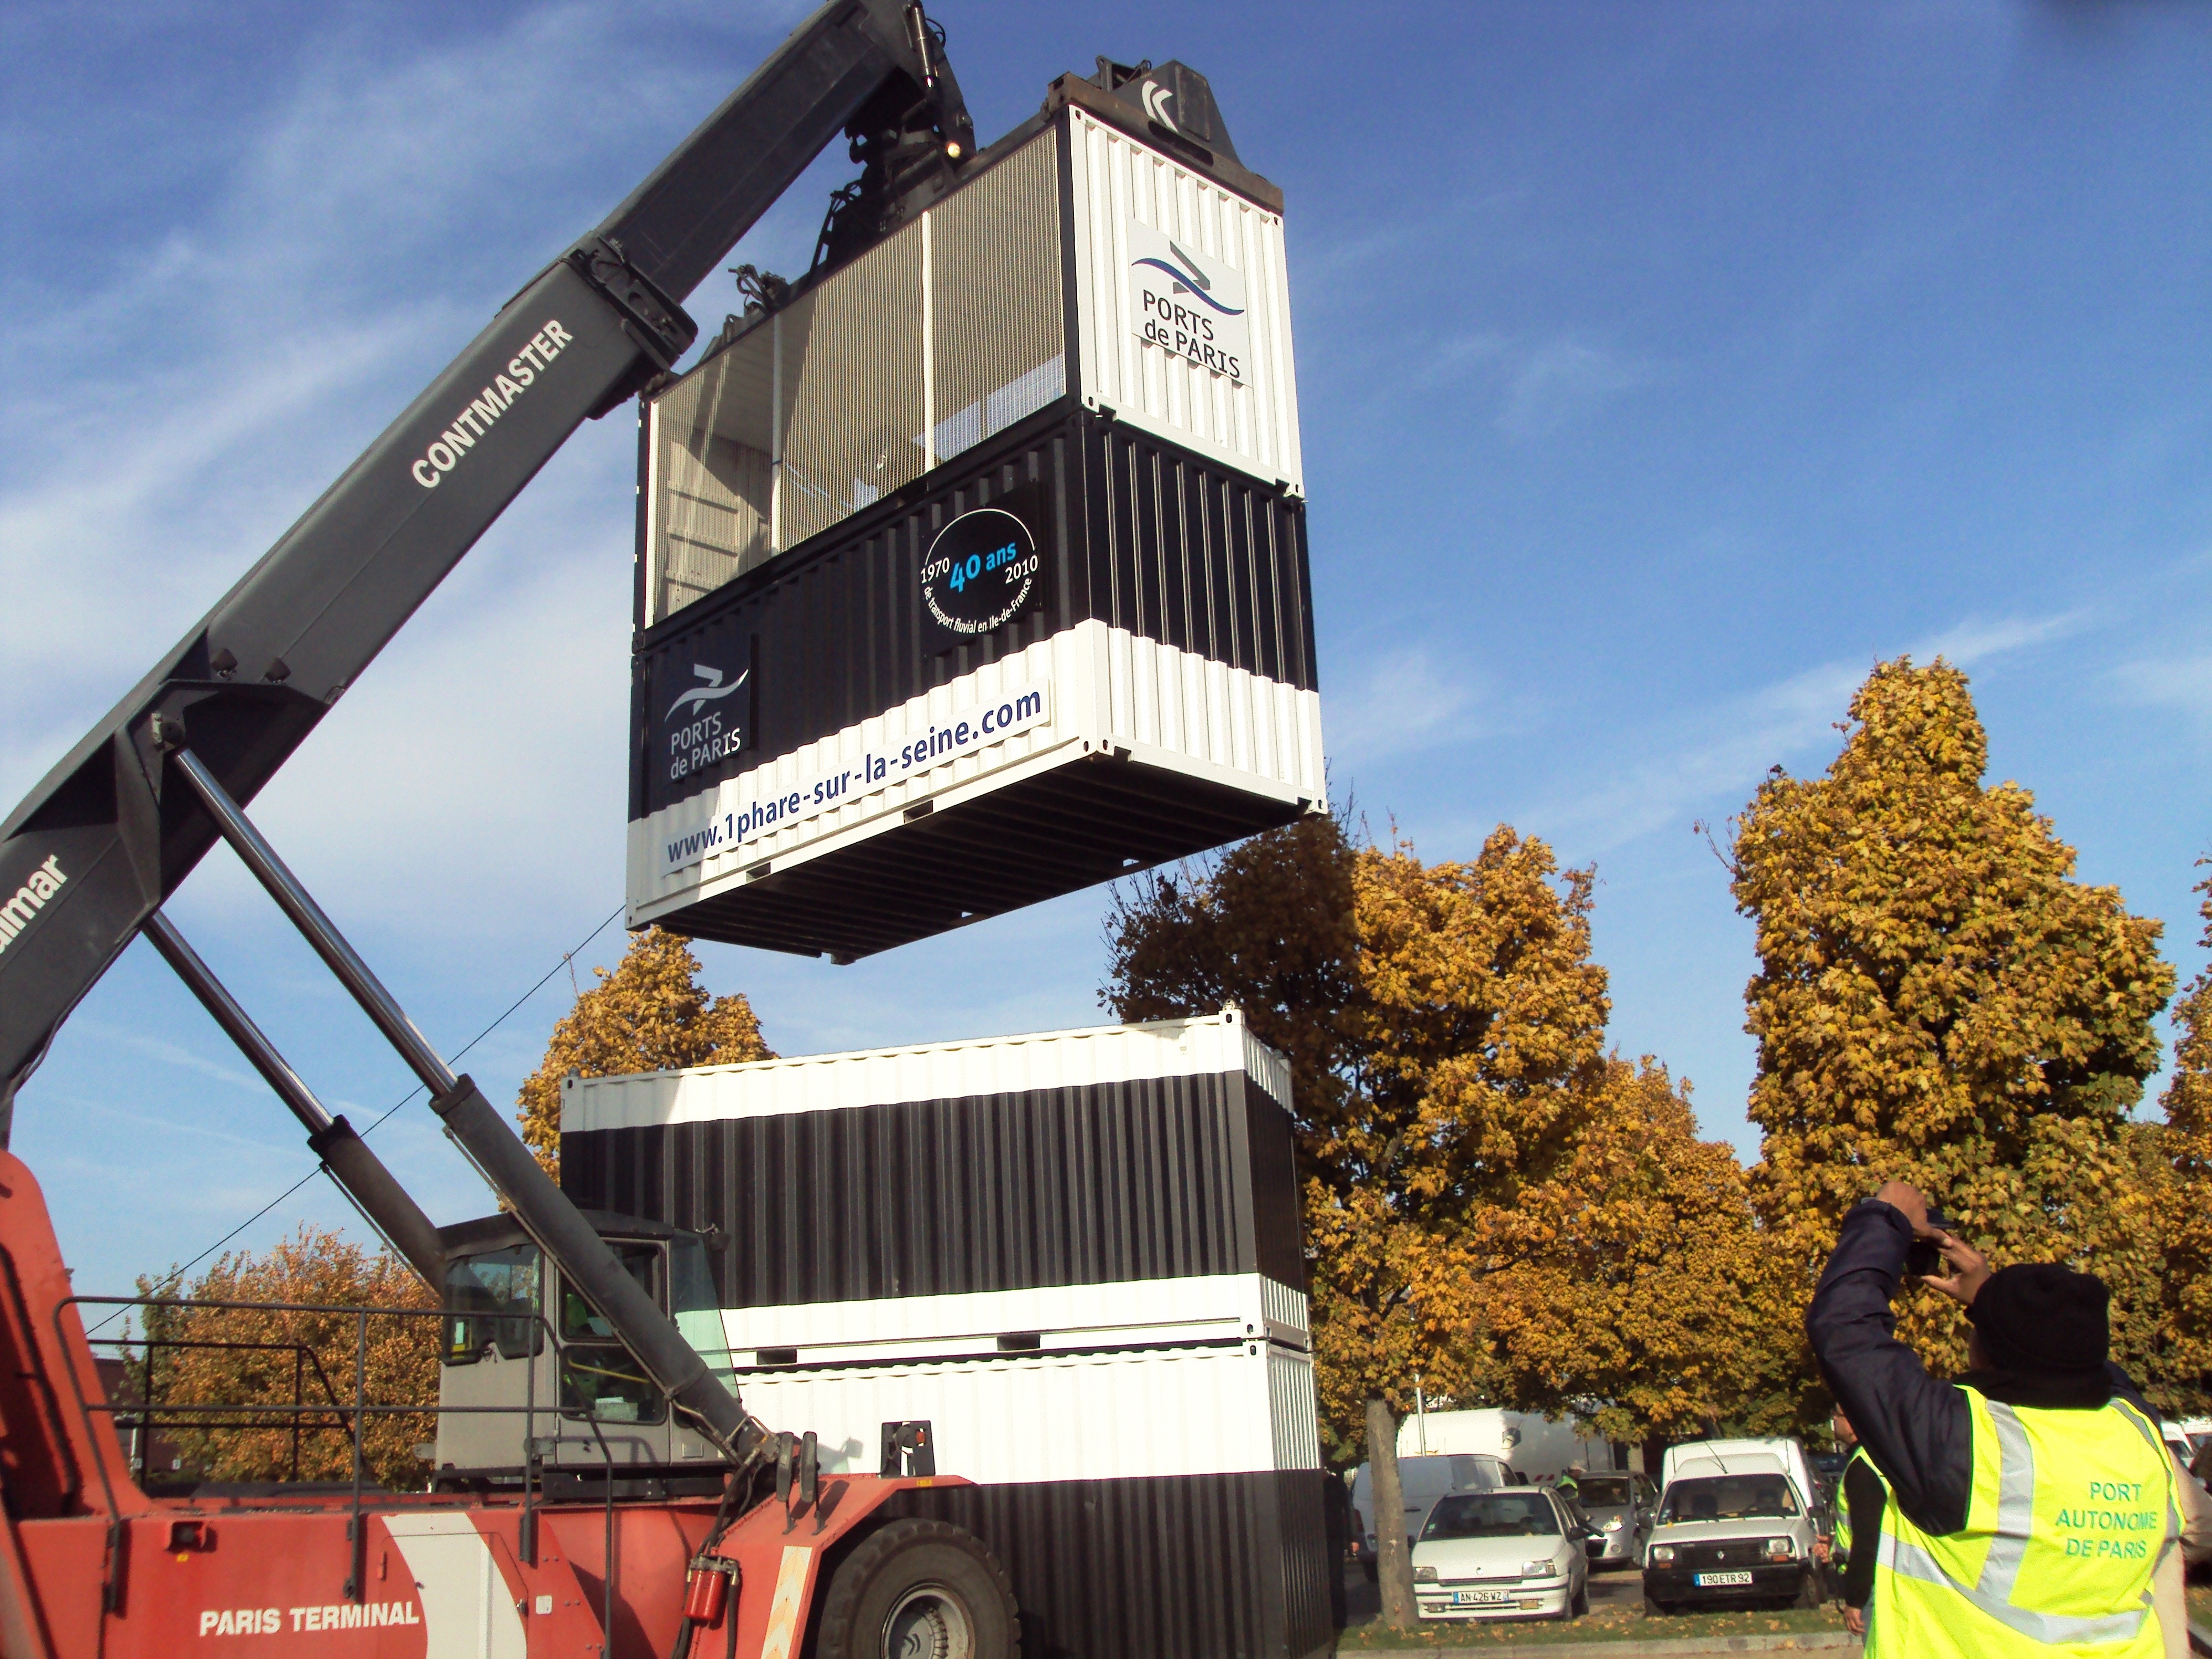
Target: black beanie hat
[(2041, 1316)]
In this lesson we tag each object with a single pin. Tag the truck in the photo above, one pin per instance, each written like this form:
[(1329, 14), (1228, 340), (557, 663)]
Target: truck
[(1539, 1447), (598, 1487)]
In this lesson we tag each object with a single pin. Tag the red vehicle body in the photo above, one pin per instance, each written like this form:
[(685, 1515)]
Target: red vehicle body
[(91, 1564)]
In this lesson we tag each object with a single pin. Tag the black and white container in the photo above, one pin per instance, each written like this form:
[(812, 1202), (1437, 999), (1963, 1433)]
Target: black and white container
[(1075, 1255), (977, 572)]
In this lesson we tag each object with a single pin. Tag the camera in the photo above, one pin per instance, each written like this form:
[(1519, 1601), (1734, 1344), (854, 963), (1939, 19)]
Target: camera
[(1924, 1260)]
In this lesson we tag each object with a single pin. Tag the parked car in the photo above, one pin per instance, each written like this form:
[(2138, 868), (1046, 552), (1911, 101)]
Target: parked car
[(1730, 1534), (1517, 1553), (1617, 1508), (1421, 1482)]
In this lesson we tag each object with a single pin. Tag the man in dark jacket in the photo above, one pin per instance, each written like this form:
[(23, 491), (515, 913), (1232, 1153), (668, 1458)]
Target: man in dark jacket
[(1860, 1499), (2040, 1341)]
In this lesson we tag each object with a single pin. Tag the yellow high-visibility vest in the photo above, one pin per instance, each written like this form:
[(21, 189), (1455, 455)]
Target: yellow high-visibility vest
[(2070, 1514), (1842, 1524)]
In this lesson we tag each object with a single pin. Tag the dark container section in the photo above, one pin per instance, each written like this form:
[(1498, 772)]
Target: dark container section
[(1156, 1178), (1138, 533), (1201, 1566)]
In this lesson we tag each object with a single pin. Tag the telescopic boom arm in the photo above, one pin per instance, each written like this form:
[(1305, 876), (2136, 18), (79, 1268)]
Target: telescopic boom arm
[(110, 833)]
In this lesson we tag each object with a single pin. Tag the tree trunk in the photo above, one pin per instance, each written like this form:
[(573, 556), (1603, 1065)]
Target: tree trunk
[(1393, 1561)]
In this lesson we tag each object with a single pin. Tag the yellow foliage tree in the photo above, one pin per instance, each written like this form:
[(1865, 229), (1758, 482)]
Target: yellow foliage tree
[(1937, 998), (1489, 1202), (198, 1357), (2185, 1220), (1630, 1286), (651, 1014)]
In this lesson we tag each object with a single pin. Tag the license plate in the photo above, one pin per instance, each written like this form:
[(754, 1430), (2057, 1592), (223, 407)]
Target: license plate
[(1481, 1598), (1719, 1580)]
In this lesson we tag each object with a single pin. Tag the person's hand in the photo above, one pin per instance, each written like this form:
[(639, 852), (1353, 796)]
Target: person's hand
[(1855, 1620), (1904, 1196), (1821, 1551), (1970, 1270)]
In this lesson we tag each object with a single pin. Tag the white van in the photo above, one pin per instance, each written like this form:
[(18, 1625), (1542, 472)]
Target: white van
[(1537, 1446), (1737, 1522), (1421, 1481)]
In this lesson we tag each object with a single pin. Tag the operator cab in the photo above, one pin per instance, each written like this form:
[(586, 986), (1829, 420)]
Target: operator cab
[(526, 1362)]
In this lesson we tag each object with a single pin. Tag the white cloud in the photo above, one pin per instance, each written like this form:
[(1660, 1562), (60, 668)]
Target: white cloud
[(1976, 640), (2183, 683), (1560, 380), (1408, 702), (173, 1055), (1714, 756), (164, 426)]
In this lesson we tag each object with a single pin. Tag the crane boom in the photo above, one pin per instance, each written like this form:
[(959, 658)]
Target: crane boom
[(110, 832)]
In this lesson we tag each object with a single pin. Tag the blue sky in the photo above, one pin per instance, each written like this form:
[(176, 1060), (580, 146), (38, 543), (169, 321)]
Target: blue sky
[(1661, 369)]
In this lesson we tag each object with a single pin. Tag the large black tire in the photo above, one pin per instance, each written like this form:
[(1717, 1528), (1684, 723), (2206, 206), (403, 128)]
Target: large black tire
[(1813, 1592), (1578, 1606), (1655, 1608), (919, 1589)]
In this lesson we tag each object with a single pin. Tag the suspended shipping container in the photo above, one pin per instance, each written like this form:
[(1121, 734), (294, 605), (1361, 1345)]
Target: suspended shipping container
[(1075, 1256), (977, 573)]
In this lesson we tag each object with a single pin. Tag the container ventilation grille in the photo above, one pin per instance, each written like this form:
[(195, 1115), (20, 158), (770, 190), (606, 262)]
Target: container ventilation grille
[(997, 323), (714, 443), (852, 380), (946, 332)]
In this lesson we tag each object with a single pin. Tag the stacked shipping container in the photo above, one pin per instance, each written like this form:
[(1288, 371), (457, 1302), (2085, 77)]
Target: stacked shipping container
[(977, 573), (1075, 1255)]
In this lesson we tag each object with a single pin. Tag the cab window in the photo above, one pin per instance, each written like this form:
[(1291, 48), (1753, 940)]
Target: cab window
[(580, 1321), (600, 1379), (492, 1302), (696, 1305)]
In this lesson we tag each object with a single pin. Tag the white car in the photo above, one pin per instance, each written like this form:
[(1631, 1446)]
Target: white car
[(1519, 1554)]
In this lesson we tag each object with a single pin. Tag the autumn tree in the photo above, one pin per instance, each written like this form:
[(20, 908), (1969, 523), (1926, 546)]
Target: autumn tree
[(2184, 1224), (650, 1014), (1629, 1287), (193, 1361), (1440, 1019), (1938, 998)]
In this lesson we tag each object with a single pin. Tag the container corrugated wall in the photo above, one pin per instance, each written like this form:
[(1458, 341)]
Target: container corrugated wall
[(1204, 668), (1142, 536), (1120, 182), (1237, 1566), (1153, 1489), (1154, 1178), (1063, 1417), (1085, 1056)]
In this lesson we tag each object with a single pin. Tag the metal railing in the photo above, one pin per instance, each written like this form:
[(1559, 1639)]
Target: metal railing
[(328, 1415)]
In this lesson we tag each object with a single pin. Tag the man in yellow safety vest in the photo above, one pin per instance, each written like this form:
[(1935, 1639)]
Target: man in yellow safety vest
[(2032, 1507)]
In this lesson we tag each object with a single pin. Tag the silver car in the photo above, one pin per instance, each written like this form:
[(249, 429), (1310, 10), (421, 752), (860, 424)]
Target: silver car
[(1618, 1506)]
